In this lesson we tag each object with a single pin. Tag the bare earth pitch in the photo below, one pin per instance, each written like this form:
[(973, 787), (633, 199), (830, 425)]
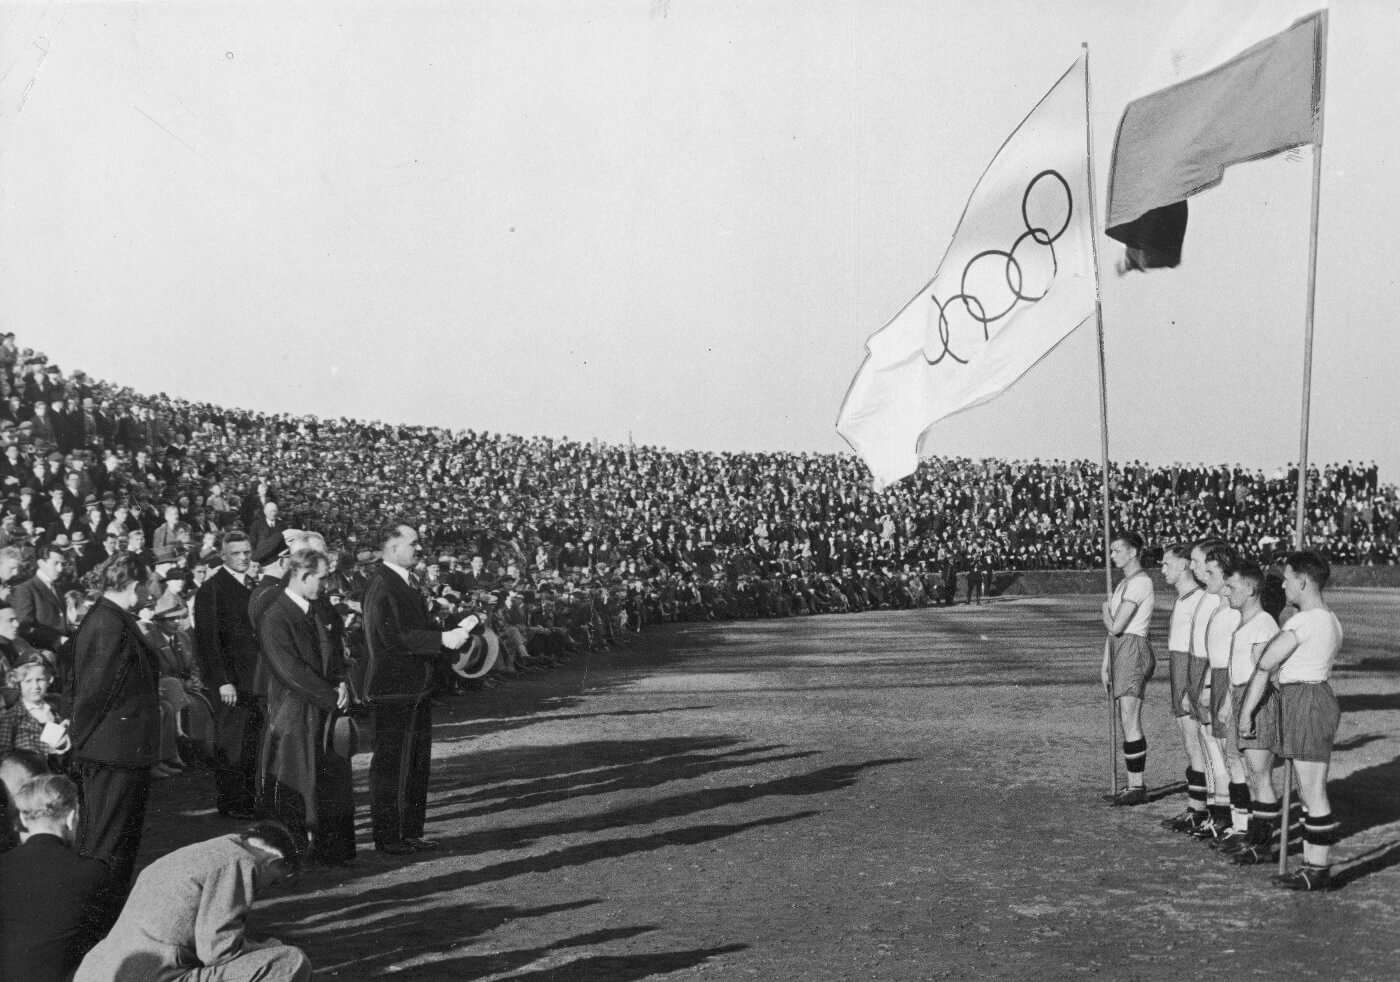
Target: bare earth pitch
[(906, 795)]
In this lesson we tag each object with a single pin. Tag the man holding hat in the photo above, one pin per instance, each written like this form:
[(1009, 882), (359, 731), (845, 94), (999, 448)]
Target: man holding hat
[(403, 643)]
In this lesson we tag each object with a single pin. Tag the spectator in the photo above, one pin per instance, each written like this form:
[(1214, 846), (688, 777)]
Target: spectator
[(116, 718), (17, 767), (227, 649), (54, 903), (38, 604), (306, 688)]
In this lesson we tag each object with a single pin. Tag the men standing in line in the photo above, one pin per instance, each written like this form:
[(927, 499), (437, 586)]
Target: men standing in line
[(403, 644), (306, 687), (116, 718), (228, 659)]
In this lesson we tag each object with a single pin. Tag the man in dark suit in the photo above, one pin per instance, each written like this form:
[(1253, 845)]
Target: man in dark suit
[(403, 643), (266, 527), (116, 718), (302, 788), (227, 648), (54, 904), (42, 619)]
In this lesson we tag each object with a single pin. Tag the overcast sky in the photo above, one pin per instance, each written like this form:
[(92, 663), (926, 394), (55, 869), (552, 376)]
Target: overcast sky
[(671, 219)]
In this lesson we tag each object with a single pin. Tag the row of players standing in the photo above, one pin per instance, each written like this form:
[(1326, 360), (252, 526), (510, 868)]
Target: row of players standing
[(1249, 688)]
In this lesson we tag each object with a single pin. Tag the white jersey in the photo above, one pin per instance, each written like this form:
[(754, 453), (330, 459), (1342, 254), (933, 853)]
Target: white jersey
[(1136, 589), (1219, 630), (1248, 644), (1179, 633), (1319, 637), (1207, 606)]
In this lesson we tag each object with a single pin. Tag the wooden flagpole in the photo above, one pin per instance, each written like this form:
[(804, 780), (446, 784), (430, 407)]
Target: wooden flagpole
[(1103, 421), (1300, 530)]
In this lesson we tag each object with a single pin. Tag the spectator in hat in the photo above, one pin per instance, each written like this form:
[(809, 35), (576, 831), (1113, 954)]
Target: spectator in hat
[(167, 639), (67, 427), (13, 468), (54, 903)]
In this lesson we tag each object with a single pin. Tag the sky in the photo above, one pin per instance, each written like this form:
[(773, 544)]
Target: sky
[(667, 221)]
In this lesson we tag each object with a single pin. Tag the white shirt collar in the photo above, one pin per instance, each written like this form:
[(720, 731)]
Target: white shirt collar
[(299, 600), (400, 570), (242, 578)]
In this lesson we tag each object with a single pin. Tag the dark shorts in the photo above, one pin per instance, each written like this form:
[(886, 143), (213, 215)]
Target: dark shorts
[(1308, 715), (1198, 681), (1133, 665), (1180, 665), (1220, 702), (1265, 720)]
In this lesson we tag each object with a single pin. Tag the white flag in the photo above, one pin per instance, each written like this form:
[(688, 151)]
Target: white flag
[(1017, 278)]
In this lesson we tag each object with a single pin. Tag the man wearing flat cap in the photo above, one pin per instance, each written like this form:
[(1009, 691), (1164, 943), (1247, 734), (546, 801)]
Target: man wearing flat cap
[(228, 653)]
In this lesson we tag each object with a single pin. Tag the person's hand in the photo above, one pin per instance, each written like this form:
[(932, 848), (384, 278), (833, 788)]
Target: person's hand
[(454, 639), (228, 694), (342, 695)]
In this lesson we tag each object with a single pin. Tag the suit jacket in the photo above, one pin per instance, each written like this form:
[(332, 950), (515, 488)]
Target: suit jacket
[(116, 707), (188, 909), (402, 639), (224, 639), (260, 532), (53, 906), (42, 619)]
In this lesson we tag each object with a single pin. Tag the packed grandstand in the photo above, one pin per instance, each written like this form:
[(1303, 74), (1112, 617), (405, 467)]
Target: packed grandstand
[(602, 538)]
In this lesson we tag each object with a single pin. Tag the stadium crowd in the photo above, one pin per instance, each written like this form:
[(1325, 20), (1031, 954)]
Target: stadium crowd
[(127, 509)]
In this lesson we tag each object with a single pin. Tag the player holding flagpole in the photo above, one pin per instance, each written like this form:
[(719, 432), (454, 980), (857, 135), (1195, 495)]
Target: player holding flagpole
[(1303, 722), (1128, 662)]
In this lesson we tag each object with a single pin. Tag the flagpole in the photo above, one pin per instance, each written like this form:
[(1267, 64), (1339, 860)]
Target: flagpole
[(1300, 532), (1103, 420)]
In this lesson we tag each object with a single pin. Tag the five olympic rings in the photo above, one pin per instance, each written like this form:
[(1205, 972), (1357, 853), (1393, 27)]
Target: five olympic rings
[(1015, 280)]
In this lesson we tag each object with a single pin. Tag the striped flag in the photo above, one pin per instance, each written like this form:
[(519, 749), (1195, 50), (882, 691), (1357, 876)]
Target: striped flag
[(1177, 141)]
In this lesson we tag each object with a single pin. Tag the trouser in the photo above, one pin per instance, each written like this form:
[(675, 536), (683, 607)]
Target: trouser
[(398, 771), (112, 814), (276, 963), (236, 757)]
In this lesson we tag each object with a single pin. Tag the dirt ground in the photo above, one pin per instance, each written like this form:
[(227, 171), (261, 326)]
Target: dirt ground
[(902, 795)]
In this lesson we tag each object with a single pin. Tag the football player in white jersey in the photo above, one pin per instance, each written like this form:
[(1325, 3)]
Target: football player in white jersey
[(1304, 722)]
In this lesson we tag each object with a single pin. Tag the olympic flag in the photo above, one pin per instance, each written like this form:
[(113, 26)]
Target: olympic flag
[(1016, 279)]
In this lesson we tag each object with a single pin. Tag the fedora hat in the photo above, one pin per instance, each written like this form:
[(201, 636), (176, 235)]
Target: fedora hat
[(342, 736), (478, 656)]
